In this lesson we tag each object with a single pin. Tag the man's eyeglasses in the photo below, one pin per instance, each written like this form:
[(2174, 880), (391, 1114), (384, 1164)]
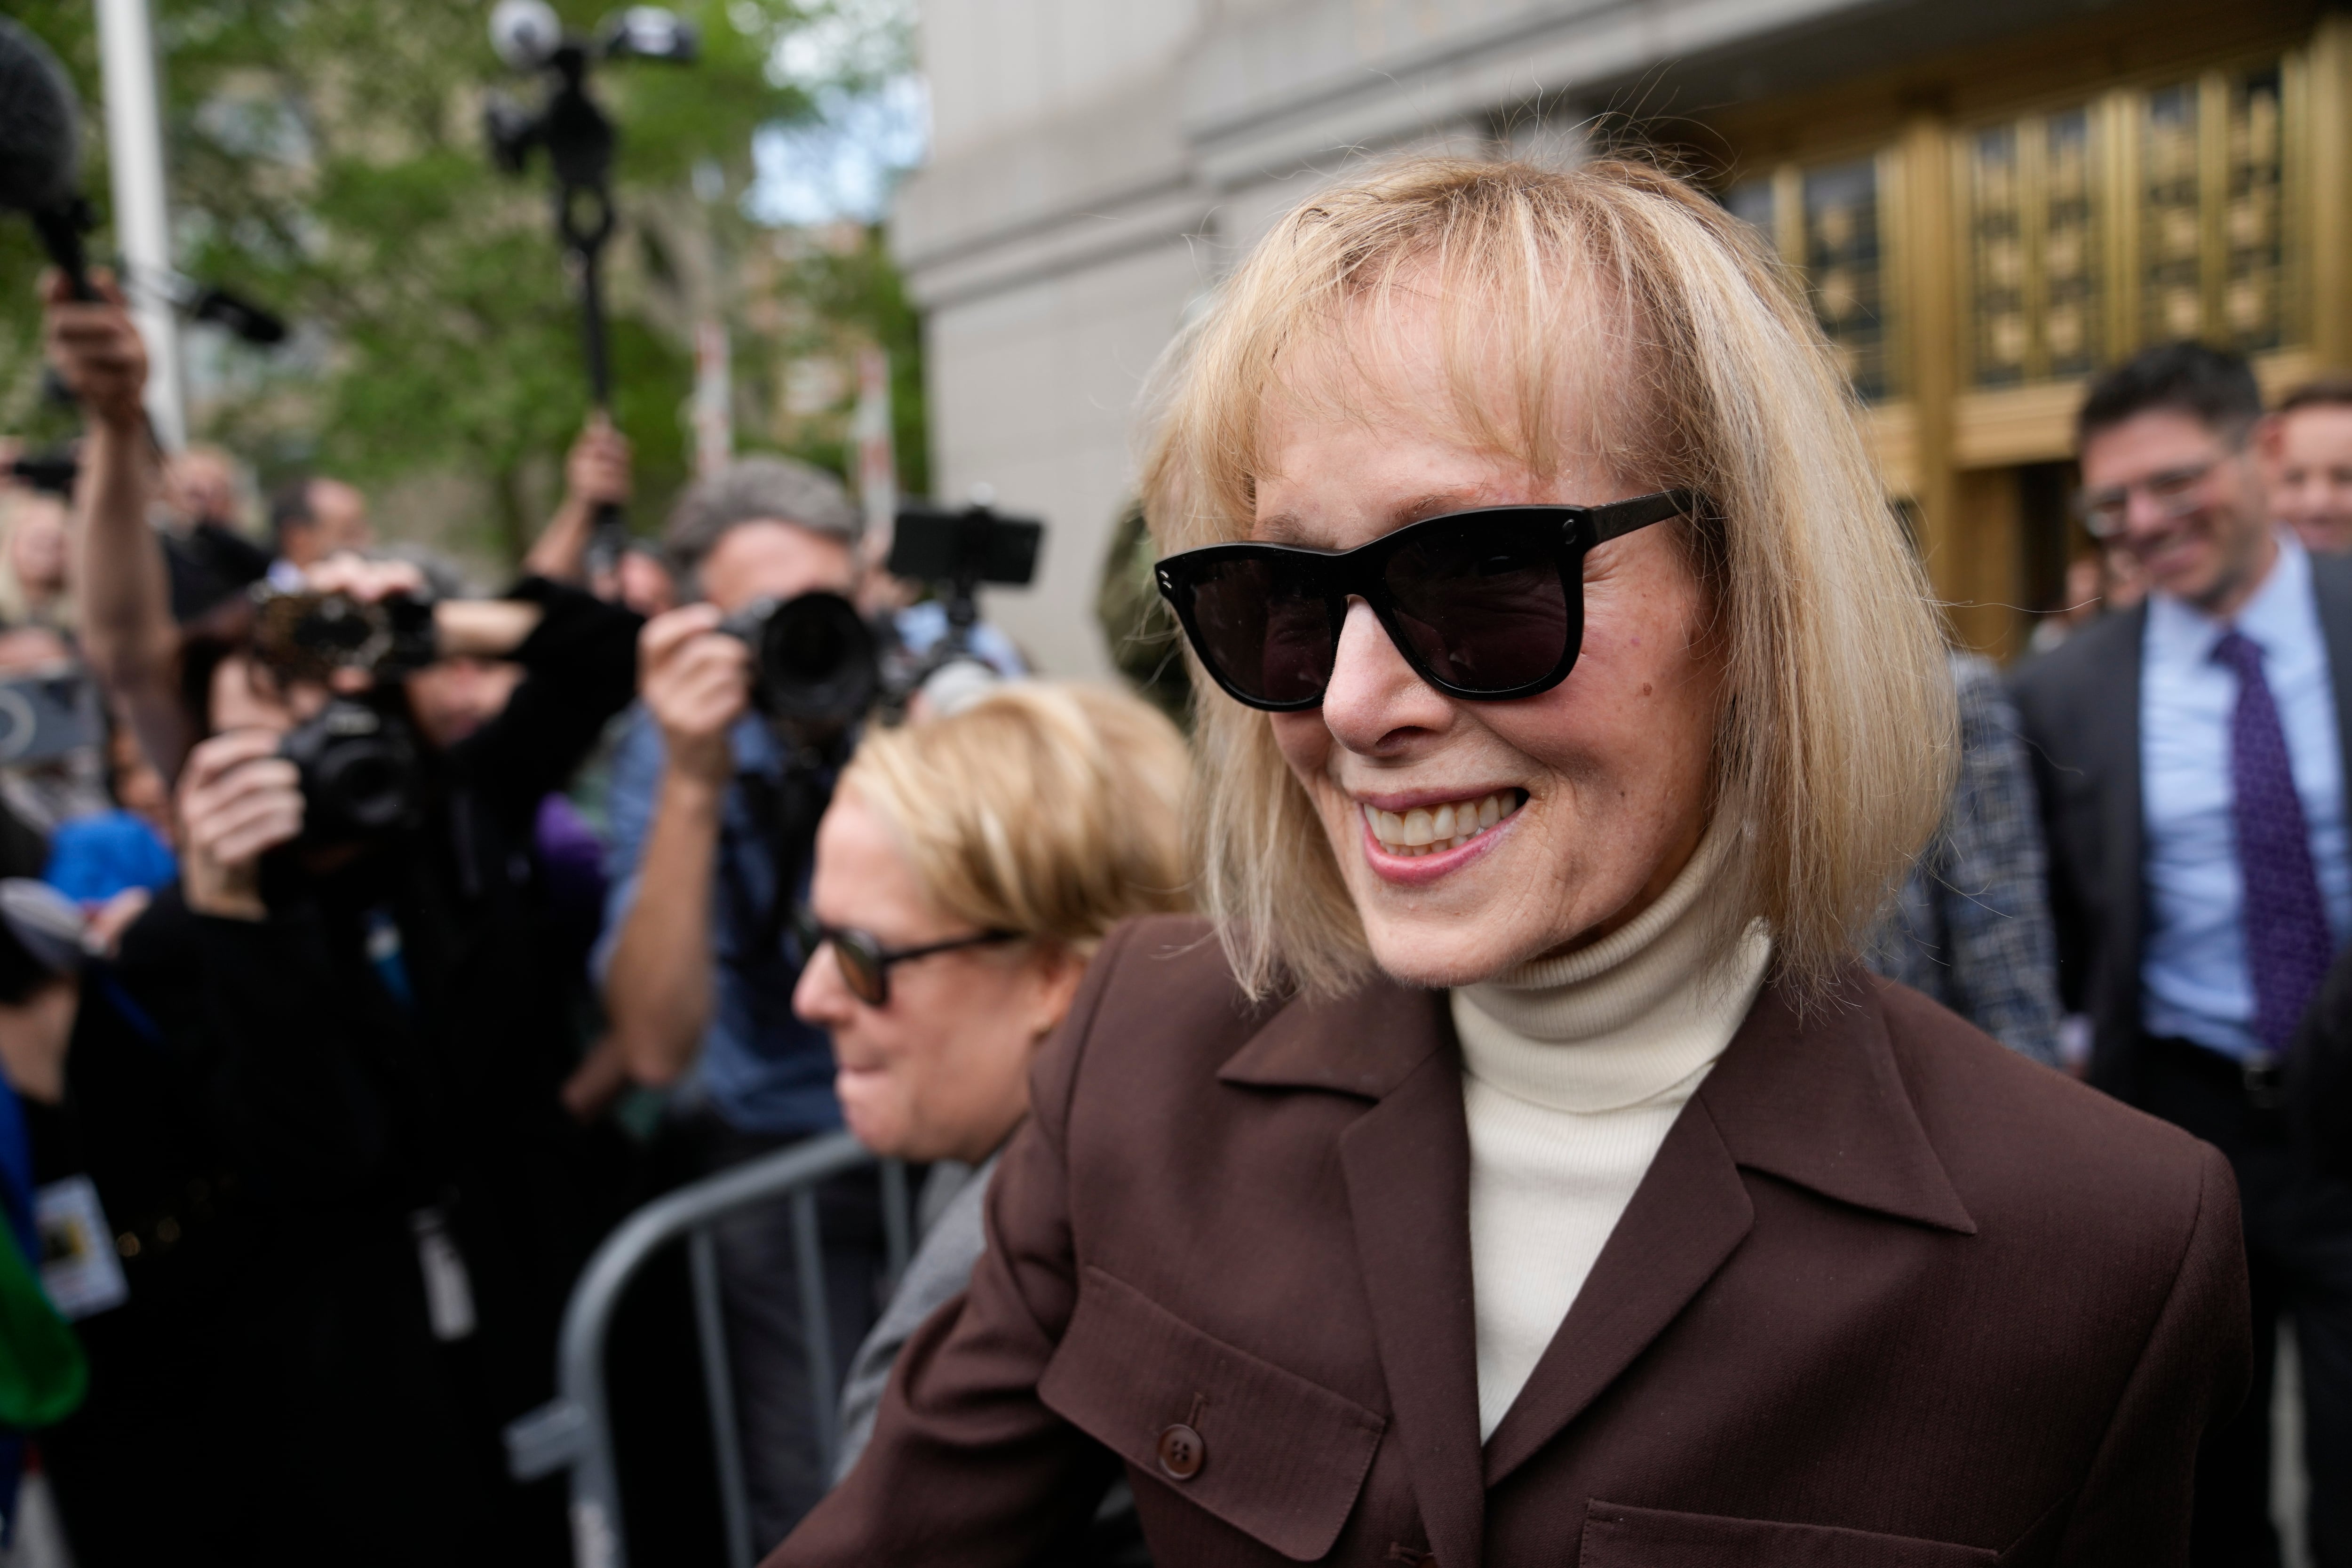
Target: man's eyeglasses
[(865, 962), (1486, 604), (2176, 492)]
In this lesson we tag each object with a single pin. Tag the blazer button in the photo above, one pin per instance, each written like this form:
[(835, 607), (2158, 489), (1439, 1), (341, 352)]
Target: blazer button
[(1181, 1452)]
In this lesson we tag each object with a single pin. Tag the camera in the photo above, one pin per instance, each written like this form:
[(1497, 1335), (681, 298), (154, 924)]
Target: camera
[(361, 777), (956, 552), (48, 713), (964, 549), (815, 663), (361, 772), (310, 637)]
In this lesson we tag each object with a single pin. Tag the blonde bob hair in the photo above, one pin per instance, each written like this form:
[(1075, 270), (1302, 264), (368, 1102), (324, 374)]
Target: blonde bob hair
[(1050, 808), (1635, 323)]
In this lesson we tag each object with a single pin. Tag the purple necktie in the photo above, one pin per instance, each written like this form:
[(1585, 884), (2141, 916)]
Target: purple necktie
[(2287, 941)]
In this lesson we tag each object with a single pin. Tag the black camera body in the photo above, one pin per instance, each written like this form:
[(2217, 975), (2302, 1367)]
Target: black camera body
[(817, 664), (362, 774), (310, 637)]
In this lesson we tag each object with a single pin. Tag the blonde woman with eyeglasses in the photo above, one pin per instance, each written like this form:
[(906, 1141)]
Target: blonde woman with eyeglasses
[(1516, 1166), (967, 869)]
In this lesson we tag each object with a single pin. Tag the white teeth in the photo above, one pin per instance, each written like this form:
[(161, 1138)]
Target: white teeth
[(1422, 831)]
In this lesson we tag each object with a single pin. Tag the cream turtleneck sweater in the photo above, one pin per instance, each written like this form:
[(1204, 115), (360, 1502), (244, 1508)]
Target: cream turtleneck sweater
[(1573, 1068)]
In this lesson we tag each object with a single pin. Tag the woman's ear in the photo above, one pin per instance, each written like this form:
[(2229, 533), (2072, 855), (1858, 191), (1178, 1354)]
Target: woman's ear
[(1056, 968)]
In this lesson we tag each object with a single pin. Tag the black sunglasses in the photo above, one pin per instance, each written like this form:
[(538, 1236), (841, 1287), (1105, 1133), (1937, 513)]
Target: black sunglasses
[(1486, 604), (865, 962)]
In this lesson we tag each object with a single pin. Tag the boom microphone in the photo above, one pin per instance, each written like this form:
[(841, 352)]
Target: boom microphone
[(40, 150)]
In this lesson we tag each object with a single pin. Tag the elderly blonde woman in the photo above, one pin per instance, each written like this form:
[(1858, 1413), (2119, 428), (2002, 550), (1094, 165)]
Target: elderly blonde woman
[(1521, 1169), (966, 870)]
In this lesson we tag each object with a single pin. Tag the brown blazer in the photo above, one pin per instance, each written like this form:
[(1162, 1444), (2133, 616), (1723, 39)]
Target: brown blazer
[(1889, 1295)]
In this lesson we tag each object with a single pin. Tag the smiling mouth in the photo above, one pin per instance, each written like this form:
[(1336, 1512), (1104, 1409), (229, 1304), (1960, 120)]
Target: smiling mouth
[(1432, 830)]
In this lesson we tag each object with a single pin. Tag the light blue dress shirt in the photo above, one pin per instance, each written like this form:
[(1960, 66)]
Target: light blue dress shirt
[(2193, 980)]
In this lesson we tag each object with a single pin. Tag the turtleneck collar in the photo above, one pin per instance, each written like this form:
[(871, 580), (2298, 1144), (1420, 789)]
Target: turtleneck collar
[(1644, 1011)]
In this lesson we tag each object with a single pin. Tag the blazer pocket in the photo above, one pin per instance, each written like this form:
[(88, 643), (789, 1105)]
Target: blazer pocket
[(1268, 1452), (1616, 1536)]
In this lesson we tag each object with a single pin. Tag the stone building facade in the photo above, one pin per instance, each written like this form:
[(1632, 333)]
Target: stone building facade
[(1986, 201)]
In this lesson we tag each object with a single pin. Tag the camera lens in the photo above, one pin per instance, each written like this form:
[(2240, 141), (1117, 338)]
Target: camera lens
[(360, 773), (368, 783), (817, 661)]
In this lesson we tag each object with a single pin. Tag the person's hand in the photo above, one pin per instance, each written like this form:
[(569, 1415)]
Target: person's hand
[(238, 800), (596, 471), (97, 349), (369, 582), (595, 1083), (112, 917), (697, 681)]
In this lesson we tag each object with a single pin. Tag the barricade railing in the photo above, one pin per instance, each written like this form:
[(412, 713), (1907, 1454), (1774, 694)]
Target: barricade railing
[(574, 1431)]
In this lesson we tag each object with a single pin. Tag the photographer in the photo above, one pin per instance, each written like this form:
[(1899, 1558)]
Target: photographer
[(714, 810), (386, 997)]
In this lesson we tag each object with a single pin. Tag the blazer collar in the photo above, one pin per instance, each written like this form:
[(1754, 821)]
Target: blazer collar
[(1807, 1093), (1363, 1044), (1813, 1096)]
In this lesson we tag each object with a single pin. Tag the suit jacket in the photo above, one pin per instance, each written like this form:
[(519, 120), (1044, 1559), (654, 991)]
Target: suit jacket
[(2080, 705), (2319, 1076), (1889, 1294)]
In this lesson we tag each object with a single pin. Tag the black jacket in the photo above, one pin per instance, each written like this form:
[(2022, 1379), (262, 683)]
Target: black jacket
[(2319, 1067), (2080, 705), (322, 1110)]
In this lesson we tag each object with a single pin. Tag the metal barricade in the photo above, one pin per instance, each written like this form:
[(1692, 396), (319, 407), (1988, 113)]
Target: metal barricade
[(574, 1430)]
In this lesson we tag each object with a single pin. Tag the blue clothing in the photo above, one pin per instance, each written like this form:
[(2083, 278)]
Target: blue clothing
[(2193, 975), (761, 1069), (920, 627), (91, 858)]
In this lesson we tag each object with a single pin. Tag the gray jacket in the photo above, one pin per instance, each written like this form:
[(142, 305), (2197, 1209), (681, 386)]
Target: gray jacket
[(1971, 927), (951, 1215)]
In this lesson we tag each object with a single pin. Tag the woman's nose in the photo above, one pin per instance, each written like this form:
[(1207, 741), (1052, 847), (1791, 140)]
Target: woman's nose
[(1374, 698)]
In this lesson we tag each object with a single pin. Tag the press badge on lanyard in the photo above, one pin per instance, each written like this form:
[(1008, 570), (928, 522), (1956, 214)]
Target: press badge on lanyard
[(80, 1270)]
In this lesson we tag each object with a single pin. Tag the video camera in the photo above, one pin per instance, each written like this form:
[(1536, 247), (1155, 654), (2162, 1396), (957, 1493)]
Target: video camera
[(361, 773), (956, 552)]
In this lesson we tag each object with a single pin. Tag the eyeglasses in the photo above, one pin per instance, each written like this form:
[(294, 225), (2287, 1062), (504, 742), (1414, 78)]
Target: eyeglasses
[(2176, 492), (1486, 604), (865, 962)]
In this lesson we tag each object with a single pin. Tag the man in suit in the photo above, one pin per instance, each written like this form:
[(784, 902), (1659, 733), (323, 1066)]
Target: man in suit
[(2192, 759)]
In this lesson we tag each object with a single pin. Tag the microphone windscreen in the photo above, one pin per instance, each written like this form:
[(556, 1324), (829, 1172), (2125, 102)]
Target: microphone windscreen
[(40, 152)]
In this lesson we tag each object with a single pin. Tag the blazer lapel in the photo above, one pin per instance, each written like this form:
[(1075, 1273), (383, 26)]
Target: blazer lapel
[(2113, 719), (1406, 1162), (1815, 1101), (1689, 1212), (2331, 586)]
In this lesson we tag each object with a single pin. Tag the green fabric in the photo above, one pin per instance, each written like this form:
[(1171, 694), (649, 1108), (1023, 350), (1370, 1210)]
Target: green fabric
[(42, 1373), (1146, 643)]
